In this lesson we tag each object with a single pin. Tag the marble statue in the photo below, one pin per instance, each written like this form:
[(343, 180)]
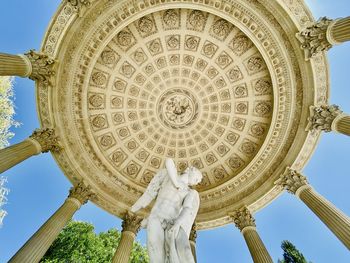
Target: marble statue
[(173, 214)]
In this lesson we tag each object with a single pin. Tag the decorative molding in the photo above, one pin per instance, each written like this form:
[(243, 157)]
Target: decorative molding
[(314, 38), (42, 66), (47, 139), (322, 117), (291, 180), (80, 6)]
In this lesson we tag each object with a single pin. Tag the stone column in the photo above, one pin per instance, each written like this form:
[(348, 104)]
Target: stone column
[(35, 248), (333, 218), (130, 226), (323, 34), (245, 222), (36, 66), (40, 141), (193, 237), (328, 118)]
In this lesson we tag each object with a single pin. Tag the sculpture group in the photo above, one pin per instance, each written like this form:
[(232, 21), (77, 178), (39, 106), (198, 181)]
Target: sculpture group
[(173, 214)]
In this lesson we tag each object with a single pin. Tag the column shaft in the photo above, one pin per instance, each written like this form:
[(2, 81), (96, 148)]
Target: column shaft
[(342, 125), (123, 251), (333, 218), (256, 247), (193, 249), (13, 65), (35, 248), (17, 153), (340, 31)]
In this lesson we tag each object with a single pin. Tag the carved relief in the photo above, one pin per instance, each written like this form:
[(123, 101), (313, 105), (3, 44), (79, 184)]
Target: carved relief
[(221, 28), (292, 180), (240, 44), (196, 20), (314, 38), (42, 66), (322, 117), (146, 26), (171, 19), (81, 192)]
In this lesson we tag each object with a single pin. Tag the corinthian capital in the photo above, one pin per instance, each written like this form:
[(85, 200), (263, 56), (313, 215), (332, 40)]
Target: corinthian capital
[(314, 38), (193, 233), (47, 139), (322, 117), (243, 218), (81, 192), (131, 223), (41, 66), (291, 180)]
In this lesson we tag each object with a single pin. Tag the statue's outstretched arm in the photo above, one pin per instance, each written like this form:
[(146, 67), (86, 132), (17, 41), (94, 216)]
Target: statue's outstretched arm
[(151, 191), (172, 172)]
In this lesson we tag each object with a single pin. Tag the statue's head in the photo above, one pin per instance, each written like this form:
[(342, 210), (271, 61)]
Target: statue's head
[(194, 175)]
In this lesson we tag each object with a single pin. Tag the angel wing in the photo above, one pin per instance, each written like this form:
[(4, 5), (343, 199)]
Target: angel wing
[(151, 191)]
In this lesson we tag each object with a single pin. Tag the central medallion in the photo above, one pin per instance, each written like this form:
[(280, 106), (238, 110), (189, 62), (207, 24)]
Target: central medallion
[(177, 108)]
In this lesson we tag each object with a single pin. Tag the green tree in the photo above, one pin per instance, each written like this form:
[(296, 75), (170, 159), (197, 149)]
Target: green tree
[(78, 243), (291, 254), (6, 121), (6, 110)]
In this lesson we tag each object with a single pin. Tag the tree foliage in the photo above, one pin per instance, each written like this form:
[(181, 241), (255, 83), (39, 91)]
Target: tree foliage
[(291, 254), (6, 110), (78, 243)]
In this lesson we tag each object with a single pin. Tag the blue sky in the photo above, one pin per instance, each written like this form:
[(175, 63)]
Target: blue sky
[(38, 187)]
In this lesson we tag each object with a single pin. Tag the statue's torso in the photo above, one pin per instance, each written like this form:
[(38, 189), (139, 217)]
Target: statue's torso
[(169, 201)]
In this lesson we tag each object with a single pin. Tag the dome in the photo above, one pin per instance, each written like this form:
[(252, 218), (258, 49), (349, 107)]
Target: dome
[(219, 85)]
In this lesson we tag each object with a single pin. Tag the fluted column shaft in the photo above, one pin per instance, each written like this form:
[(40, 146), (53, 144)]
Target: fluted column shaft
[(39, 243), (35, 248), (14, 65), (332, 217), (40, 141), (296, 183), (339, 31), (255, 245), (245, 222), (35, 65), (130, 226), (123, 251), (342, 124), (17, 153)]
